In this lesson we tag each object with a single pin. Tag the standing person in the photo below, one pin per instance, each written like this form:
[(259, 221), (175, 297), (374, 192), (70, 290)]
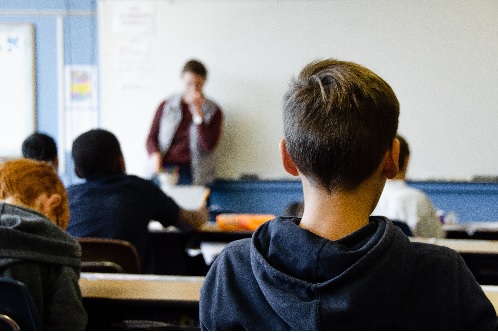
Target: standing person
[(412, 206), (185, 130), (337, 268), (40, 146), (112, 204), (34, 248)]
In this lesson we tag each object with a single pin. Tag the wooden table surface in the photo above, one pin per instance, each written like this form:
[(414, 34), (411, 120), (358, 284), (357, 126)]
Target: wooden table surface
[(166, 288), (464, 246), (140, 287)]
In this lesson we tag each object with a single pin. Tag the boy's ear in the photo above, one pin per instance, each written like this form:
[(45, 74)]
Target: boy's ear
[(287, 161), (391, 162), (122, 165), (54, 201)]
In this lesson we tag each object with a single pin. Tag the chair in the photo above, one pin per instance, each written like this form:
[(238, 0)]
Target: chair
[(17, 308), (108, 256)]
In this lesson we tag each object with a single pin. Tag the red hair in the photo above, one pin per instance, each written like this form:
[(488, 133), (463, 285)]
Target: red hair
[(26, 179)]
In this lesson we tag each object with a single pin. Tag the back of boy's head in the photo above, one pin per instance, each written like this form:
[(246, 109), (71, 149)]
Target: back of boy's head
[(96, 153), (404, 151), (339, 120), (27, 179), (39, 146)]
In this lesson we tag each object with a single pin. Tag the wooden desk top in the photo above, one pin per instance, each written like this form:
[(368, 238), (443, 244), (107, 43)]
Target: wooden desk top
[(141, 287), (492, 294), (464, 246)]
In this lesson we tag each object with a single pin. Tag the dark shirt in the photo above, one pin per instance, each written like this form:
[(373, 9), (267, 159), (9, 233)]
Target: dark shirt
[(120, 207)]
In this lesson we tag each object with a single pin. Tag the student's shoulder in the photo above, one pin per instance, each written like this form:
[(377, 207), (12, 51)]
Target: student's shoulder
[(427, 253), (236, 252)]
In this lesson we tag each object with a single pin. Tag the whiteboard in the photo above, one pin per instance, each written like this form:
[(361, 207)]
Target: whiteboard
[(17, 87), (438, 56)]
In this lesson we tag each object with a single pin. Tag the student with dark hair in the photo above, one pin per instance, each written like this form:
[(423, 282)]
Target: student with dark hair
[(185, 130), (40, 146), (406, 204), (112, 204), (34, 249), (337, 268)]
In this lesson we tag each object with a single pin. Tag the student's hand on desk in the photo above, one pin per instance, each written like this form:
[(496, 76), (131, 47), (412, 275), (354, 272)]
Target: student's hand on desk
[(195, 218)]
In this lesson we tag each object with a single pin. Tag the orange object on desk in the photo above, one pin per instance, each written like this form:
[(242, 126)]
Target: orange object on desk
[(241, 221)]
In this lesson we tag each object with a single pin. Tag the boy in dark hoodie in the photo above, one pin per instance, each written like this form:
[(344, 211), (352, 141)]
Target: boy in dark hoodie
[(336, 268), (34, 248)]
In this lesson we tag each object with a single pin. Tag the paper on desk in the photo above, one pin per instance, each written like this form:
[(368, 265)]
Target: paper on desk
[(211, 250), (188, 197)]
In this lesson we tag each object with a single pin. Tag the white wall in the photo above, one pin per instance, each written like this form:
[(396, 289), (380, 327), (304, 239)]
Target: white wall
[(440, 57)]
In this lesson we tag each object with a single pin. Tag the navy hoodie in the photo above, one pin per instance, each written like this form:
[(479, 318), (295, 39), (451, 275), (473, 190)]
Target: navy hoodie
[(287, 278)]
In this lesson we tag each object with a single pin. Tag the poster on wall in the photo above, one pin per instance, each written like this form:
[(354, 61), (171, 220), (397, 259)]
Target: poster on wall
[(17, 87), (81, 87), (80, 101)]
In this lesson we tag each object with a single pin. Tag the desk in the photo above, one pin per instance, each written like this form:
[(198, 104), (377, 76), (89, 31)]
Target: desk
[(112, 298), (167, 289), (174, 251), (123, 296), (492, 294), (473, 230), (463, 246)]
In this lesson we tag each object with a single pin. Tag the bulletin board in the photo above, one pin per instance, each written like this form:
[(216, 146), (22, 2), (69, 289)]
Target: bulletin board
[(17, 87)]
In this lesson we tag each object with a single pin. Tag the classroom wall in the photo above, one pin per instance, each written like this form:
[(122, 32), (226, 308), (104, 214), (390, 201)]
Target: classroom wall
[(438, 56), (65, 36)]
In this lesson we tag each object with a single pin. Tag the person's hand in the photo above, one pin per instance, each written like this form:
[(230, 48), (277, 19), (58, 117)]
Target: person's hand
[(156, 161), (195, 101), (195, 218)]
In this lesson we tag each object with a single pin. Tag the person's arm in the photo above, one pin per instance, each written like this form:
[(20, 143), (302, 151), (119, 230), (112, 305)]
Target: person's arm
[(193, 219), (209, 133), (428, 222), (168, 213), (152, 143)]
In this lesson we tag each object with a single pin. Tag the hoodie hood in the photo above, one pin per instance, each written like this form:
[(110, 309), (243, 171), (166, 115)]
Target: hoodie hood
[(366, 274), (26, 235)]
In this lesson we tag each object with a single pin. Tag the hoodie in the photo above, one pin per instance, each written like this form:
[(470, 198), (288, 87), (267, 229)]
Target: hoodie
[(287, 278), (47, 260)]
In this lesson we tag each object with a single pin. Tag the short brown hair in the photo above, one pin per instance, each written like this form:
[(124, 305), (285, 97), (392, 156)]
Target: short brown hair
[(196, 67), (27, 179), (339, 120)]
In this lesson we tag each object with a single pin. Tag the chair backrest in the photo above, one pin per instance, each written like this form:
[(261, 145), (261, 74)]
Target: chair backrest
[(17, 308), (108, 256)]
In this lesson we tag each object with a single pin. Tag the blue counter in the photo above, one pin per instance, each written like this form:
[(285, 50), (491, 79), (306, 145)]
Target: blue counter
[(470, 201)]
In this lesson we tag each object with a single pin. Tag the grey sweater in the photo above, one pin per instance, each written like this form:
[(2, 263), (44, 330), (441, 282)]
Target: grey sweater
[(47, 260)]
